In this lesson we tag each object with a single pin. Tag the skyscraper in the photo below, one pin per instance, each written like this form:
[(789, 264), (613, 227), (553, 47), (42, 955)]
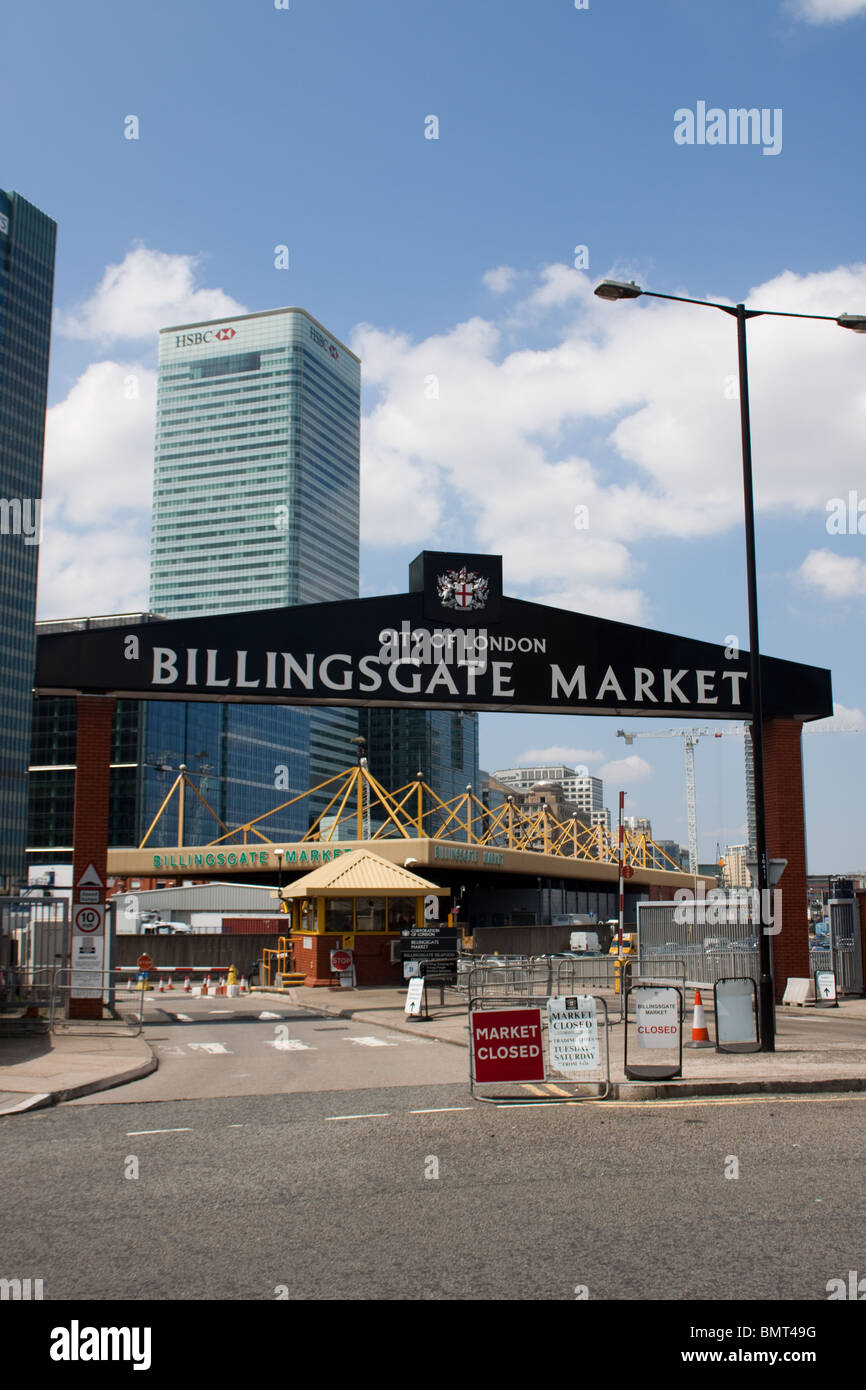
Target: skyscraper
[(256, 505), (27, 242), (440, 744)]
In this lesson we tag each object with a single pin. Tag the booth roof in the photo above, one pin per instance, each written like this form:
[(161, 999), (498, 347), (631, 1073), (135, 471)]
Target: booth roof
[(360, 872)]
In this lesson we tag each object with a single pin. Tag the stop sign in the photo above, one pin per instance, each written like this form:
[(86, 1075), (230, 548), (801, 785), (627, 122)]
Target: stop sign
[(627, 871), (145, 962), (341, 960)]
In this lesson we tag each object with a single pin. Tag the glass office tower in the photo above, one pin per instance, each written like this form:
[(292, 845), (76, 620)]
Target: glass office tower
[(27, 242), (255, 505), (440, 744)]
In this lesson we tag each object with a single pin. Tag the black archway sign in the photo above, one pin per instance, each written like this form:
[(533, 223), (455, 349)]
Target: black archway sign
[(454, 641)]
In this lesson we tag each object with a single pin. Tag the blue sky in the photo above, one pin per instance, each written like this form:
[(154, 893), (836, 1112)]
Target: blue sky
[(499, 394)]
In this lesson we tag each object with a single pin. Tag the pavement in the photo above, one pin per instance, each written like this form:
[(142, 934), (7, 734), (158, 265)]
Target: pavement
[(816, 1050)]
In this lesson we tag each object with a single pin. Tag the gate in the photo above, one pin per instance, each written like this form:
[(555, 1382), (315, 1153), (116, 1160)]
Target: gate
[(845, 950), (712, 939), (34, 943)]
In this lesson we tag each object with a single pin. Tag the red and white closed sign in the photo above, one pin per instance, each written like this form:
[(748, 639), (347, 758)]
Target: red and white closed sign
[(657, 1016), (506, 1045)]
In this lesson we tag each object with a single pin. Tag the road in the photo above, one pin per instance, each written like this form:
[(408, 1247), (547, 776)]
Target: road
[(253, 1046), (357, 1170)]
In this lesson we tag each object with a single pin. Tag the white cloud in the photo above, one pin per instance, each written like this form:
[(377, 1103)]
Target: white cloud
[(148, 291), (828, 11), (629, 413), (624, 772), (834, 576), (557, 756), (843, 720), (499, 280), (97, 493)]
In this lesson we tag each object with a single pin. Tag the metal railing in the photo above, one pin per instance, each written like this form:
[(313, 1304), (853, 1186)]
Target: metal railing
[(66, 985)]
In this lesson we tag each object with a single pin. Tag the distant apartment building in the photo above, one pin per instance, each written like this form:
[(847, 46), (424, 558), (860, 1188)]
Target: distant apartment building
[(638, 825), (585, 793), (734, 872)]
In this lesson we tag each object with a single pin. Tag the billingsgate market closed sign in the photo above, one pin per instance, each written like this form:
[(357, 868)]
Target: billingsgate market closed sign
[(453, 641)]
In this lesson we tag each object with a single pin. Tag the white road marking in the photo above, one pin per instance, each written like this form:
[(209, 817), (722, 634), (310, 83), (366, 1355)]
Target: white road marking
[(289, 1045), (267, 1015), (171, 1051), (183, 1018), (374, 1115), (220, 1011), (370, 1042), (211, 1047), (134, 1133), (441, 1109)]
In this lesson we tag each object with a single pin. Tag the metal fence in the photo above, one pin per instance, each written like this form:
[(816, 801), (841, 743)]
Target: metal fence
[(712, 940), (555, 1086), (124, 1002), (34, 942), (844, 954)]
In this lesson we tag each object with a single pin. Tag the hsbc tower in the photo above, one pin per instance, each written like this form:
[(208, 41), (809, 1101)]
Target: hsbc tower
[(255, 505)]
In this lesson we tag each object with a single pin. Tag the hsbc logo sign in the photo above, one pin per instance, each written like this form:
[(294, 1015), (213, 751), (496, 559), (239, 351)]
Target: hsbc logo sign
[(322, 341), (222, 335)]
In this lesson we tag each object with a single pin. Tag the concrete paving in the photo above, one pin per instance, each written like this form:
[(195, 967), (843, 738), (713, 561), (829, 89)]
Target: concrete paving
[(816, 1050), (45, 1069)]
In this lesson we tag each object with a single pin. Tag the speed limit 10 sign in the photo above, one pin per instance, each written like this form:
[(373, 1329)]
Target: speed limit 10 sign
[(89, 919)]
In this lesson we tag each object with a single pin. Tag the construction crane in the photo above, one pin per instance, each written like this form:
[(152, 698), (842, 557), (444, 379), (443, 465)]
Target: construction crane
[(692, 737)]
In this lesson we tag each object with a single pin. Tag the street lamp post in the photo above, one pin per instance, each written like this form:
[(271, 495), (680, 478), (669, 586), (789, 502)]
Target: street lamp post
[(614, 290)]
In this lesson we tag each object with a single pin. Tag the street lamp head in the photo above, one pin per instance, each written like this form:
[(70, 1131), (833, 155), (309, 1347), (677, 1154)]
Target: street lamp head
[(856, 322), (618, 289)]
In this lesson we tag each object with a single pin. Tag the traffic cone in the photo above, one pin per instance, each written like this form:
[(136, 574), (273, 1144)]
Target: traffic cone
[(700, 1034), (244, 987), (161, 987), (187, 987), (204, 984), (169, 985)]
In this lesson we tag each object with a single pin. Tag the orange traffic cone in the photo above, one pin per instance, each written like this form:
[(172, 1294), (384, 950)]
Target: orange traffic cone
[(700, 1033), (169, 985), (244, 989), (160, 989), (187, 987), (204, 984)]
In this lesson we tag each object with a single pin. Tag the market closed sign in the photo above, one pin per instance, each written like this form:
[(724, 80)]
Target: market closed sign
[(506, 1045)]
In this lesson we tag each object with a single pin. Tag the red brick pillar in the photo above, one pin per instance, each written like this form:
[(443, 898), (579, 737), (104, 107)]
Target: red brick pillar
[(90, 824), (786, 839)]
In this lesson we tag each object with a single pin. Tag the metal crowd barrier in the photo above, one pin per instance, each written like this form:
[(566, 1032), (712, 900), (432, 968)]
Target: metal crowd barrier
[(561, 1089), (113, 990)]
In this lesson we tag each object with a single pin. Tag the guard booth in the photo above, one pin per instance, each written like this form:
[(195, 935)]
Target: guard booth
[(359, 903)]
